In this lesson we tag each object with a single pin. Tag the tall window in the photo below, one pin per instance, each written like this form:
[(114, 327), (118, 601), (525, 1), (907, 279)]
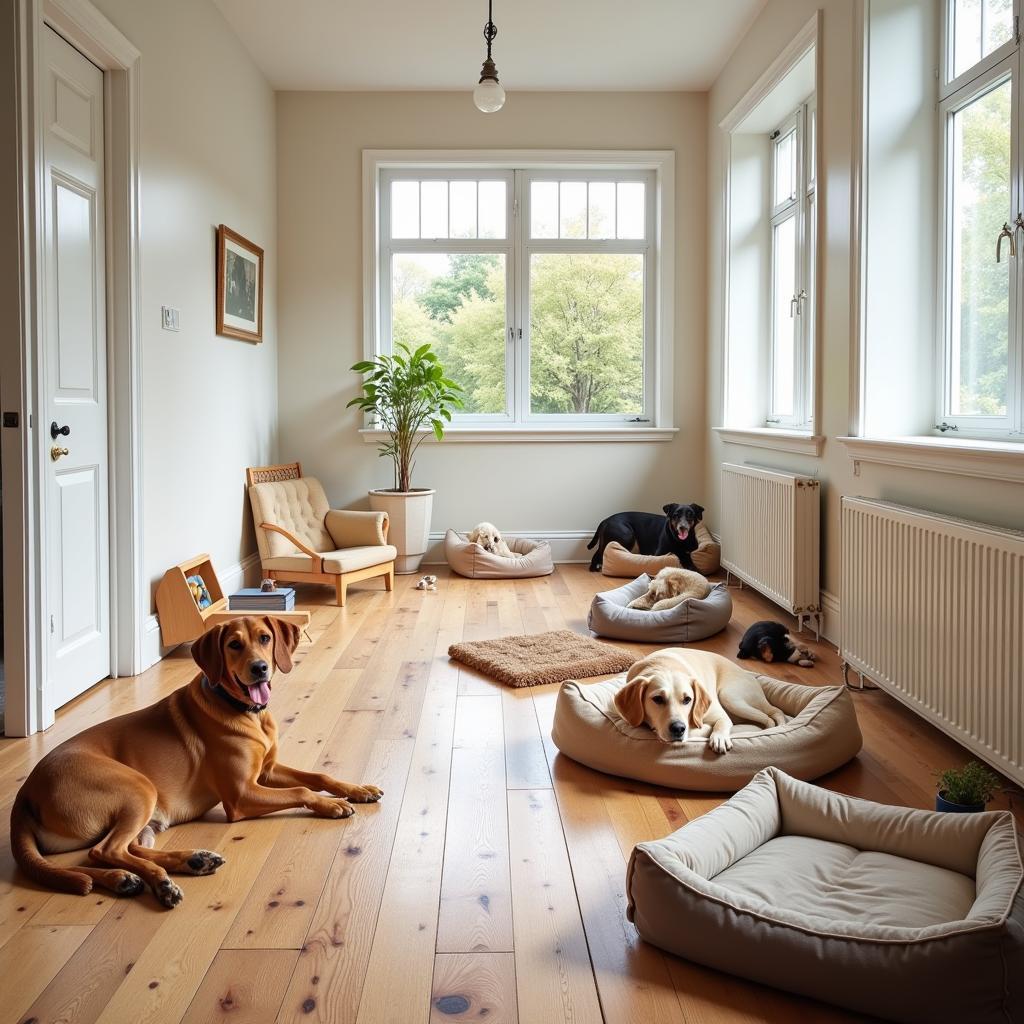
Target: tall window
[(536, 287), (981, 259), (792, 194)]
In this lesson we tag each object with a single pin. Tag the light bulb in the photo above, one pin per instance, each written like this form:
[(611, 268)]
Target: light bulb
[(489, 96)]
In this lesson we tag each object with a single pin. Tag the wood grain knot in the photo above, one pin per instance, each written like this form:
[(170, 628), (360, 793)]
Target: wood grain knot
[(452, 1005)]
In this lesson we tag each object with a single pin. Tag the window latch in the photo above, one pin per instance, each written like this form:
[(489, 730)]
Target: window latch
[(637, 419), (1008, 234), (944, 426)]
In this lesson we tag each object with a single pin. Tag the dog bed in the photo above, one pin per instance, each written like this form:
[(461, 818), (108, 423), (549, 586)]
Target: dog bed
[(617, 561), (910, 915), (821, 733), (529, 558), (693, 619)]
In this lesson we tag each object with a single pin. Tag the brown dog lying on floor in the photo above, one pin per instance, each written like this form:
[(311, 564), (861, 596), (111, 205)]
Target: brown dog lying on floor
[(113, 786)]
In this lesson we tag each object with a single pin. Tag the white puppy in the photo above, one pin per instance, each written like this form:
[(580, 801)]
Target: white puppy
[(489, 538), (671, 587), (676, 691)]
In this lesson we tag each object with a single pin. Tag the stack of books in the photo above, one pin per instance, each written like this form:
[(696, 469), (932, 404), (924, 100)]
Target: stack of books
[(252, 599)]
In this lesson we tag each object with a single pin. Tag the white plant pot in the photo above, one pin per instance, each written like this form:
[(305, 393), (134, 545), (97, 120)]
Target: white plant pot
[(409, 530)]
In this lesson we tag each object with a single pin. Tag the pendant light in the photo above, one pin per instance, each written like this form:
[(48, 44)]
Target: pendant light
[(489, 96)]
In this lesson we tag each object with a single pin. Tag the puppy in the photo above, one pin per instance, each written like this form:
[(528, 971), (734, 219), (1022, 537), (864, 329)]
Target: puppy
[(677, 692), (771, 641), (489, 538), (671, 587), (671, 533)]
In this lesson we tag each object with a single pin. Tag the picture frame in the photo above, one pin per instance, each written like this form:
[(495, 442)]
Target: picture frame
[(239, 286)]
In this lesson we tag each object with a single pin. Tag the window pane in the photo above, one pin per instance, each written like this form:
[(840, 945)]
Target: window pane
[(979, 28), (456, 301), (405, 209), (586, 333), (980, 203), (434, 209), (544, 209), (462, 209), (631, 210), (492, 209), (784, 327), (785, 168), (601, 209), (572, 214)]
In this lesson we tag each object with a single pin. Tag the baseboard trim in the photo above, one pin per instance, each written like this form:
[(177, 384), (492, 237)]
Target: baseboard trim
[(233, 578), (830, 626), (567, 546)]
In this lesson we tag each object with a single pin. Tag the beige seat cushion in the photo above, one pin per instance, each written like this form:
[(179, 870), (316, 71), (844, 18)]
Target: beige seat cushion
[(336, 562), (298, 506)]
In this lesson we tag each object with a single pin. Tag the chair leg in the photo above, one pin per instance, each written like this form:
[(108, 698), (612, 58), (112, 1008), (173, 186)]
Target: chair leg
[(389, 578), (340, 587)]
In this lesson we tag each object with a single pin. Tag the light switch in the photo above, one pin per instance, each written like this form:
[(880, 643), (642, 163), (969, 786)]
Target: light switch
[(169, 318)]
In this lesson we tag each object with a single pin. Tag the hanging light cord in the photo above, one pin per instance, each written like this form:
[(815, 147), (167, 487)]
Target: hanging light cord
[(490, 29)]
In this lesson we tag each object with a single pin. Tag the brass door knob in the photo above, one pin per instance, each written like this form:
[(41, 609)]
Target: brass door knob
[(57, 452)]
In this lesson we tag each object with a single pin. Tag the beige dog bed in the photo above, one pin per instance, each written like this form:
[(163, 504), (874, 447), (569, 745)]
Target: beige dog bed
[(529, 558), (619, 562), (821, 733), (905, 914), (693, 619)]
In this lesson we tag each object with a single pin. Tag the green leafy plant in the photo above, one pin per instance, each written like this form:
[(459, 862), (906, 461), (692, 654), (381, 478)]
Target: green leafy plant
[(404, 392), (970, 785)]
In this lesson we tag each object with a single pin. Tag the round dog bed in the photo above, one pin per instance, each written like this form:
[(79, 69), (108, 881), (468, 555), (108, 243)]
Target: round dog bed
[(693, 619), (529, 558), (821, 733), (619, 562), (910, 915)]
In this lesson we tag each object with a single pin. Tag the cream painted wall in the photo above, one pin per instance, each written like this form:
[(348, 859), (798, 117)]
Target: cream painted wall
[(207, 157), (989, 501), (521, 487)]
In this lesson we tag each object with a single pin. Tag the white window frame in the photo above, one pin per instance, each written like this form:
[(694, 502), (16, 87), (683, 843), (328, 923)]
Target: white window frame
[(956, 94), (519, 167)]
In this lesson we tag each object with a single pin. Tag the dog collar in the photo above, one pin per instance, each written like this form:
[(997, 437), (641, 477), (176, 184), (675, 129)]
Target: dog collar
[(238, 705)]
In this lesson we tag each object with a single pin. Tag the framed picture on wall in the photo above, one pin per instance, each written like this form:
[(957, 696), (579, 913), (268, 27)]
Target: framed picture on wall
[(239, 286)]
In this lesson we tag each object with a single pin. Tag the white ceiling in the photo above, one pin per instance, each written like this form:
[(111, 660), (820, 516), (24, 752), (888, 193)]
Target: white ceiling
[(541, 44)]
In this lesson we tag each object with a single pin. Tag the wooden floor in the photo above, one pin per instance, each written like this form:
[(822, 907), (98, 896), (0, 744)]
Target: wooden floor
[(487, 886)]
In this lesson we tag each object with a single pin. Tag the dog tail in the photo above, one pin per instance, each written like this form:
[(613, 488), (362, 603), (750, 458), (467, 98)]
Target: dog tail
[(33, 863), (596, 537)]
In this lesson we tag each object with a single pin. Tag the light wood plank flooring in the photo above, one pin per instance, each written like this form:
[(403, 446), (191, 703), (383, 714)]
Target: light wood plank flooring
[(488, 884)]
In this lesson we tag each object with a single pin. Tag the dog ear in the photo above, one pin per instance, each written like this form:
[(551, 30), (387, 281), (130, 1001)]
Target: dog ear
[(701, 703), (629, 701), (699, 510), (764, 649), (286, 639), (208, 654), (667, 509)]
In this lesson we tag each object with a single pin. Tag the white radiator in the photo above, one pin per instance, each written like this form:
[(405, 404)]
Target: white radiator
[(933, 611), (770, 524)]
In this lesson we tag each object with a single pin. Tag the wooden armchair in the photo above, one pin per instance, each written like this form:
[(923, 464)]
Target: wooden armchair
[(303, 540)]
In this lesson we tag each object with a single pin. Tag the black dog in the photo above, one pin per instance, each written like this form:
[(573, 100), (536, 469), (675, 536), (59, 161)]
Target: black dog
[(770, 641), (672, 533)]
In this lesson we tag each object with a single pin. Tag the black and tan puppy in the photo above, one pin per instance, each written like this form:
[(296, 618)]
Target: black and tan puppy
[(771, 641), (672, 533)]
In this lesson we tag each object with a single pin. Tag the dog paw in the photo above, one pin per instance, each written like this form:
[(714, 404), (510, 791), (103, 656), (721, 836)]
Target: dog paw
[(204, 862), (720, 744), (168, 894), (130, 885), (805, 663), (365, 794), (336, 809)]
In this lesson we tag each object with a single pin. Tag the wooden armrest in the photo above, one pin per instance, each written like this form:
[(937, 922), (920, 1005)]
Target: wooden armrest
[(318, 562)]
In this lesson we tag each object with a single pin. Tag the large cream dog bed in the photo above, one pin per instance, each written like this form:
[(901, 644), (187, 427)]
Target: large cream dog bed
[(905, 914), (821, 733), (707, 559), (693, 619), (529, 558)]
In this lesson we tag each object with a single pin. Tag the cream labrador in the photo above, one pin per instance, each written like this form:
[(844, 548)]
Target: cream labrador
[(488, 536), (671, 587), (676, 692)]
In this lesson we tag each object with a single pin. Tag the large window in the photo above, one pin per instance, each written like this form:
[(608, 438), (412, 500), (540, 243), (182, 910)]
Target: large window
[(537, 287), (980, 273)]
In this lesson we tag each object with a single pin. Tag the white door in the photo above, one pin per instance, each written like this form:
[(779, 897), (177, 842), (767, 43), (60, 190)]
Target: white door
[(74, 375)]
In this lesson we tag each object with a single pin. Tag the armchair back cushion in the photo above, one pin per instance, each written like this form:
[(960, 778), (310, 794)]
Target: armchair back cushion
[(298, 506)]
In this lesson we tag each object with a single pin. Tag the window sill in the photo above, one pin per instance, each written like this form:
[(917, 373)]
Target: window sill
[(798, 441), (520, 435), (990, 460)]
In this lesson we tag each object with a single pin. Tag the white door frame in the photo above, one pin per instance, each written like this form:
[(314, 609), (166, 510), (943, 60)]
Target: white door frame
[(26, 647)]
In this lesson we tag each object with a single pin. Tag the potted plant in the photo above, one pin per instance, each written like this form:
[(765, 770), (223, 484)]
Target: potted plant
[(404, 393), (966, 789)]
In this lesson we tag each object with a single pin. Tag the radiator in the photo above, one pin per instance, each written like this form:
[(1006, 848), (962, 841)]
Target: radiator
[(933, 611), (770, 536)]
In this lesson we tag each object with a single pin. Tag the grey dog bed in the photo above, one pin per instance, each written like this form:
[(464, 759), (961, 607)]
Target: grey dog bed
[(691, 620)]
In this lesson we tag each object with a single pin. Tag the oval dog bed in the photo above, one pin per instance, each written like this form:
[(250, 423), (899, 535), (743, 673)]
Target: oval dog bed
[(821, 733), (693, 619), (619, 562), (529, 558), (909, 915)]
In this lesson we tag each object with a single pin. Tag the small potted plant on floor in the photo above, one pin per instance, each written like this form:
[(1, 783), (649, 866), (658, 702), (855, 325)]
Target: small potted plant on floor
[(966, 789), (406, 395)]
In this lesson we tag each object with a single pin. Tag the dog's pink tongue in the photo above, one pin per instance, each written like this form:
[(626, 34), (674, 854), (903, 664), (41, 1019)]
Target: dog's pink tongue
[(683, 533), (260, 693)]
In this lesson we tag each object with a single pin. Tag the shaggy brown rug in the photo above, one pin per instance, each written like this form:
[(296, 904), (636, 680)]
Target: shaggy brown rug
[(542, 658)]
